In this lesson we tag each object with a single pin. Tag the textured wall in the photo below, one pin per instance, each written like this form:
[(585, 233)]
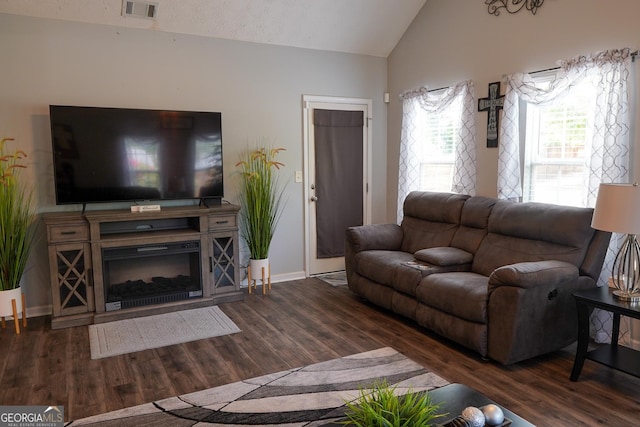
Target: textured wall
[(370, 27), (455, 40), (258, 88)]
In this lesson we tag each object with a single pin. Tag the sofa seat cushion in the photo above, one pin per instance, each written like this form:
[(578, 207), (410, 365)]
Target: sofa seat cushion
[(380, 266), (443, 256), (408, 276), (462, 294)]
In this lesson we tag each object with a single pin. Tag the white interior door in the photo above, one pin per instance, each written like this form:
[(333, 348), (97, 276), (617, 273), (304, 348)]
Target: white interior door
[(335, 188)]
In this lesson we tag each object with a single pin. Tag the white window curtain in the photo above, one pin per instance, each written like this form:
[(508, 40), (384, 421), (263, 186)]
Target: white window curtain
[(416, 104), (609, 146), (609, 161)]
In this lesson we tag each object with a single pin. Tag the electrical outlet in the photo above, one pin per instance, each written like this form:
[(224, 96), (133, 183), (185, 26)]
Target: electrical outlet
[(298, 176)]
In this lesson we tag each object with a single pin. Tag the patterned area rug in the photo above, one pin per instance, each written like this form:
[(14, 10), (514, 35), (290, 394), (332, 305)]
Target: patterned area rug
[(143, 333), (337, 278), (311, 396)]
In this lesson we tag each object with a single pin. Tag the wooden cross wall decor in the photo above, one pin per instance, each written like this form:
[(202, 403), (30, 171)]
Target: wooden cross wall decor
[(492, 104)]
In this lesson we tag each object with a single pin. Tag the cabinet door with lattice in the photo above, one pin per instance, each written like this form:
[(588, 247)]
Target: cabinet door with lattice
[(224, 262), (72, 284)]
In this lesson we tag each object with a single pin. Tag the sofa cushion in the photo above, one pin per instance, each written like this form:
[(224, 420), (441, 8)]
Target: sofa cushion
[(437, 207), (380, 266), (421, 234), (443, 256), (408, 277), (562, 225), (462, 294), (558, 233), (430, 219), (473, 223)]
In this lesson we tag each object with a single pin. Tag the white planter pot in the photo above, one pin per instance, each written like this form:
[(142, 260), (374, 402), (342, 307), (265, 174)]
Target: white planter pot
[(6, 308), (256, 266), (259, 269)]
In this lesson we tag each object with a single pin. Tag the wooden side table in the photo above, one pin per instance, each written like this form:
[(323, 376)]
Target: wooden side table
[(617, 357)]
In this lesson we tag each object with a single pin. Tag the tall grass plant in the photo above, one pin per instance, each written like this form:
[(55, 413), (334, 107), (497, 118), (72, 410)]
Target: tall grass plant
[(17, 229), (260, 197)]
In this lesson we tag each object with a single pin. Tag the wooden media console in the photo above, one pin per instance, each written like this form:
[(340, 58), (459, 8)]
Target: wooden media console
[(115, 264)]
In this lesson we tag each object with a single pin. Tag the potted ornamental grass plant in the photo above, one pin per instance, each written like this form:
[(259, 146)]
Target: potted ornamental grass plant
[(260, 195), (16, 226), (381, 406)]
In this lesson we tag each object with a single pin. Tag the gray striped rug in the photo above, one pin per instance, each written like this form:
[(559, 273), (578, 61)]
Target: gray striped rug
[(314, 395)]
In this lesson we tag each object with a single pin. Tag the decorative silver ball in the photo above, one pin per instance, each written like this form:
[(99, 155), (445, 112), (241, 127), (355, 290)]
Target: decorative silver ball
[(473, 416), (493, 414)]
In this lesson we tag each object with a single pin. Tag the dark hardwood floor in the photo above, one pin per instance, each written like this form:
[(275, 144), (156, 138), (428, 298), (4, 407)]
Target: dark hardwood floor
[(298, 323)]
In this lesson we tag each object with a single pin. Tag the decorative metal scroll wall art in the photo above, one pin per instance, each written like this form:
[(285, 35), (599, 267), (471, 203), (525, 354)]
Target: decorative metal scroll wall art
[(513, 6)]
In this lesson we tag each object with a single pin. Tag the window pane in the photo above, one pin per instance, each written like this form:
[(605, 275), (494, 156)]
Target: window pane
[(436, 177), (438, 149), (556, 146), (559, 184), (563, 129)]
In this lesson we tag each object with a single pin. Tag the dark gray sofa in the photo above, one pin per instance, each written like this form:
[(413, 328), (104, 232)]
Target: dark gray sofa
[(492, 275)]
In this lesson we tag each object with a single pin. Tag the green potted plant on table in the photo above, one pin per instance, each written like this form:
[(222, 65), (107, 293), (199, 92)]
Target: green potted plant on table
[(260, 197), (382, 406), (16, 231)]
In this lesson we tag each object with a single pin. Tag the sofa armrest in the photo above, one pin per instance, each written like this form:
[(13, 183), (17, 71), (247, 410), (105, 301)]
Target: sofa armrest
[(532, 310), (375, 237), (538, 273)]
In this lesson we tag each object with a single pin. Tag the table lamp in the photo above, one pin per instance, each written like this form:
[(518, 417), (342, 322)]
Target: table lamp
[(618, 210)]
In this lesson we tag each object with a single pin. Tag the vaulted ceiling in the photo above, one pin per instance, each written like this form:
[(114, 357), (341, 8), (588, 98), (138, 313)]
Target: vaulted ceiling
[(369, 27)]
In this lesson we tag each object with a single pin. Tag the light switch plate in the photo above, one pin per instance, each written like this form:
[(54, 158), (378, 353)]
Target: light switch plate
[(298, 176)]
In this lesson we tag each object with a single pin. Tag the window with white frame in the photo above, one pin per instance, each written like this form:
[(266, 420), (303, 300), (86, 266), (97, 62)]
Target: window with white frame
[(437, 151), (437, 142), (556, 147)]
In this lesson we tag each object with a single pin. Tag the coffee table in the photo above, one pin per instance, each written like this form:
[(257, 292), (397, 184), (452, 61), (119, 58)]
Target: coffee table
[(617, 357), (453, 398)]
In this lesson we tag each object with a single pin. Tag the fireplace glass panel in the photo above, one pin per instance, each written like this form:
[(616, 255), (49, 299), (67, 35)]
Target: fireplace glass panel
[(151, 274)]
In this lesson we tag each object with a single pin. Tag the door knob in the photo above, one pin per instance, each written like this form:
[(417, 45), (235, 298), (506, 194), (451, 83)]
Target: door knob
[(314, 199)]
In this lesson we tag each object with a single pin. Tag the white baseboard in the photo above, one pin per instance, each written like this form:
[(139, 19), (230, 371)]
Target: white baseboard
[(297, 275), (43, 310)]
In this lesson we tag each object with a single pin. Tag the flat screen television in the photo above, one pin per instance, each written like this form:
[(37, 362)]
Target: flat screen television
[(123, 154)]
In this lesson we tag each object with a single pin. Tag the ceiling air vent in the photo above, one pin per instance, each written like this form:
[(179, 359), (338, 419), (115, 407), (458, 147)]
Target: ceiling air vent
[(140, 9)]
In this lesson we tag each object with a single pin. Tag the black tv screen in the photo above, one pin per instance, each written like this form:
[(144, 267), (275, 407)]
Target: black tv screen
[(122, 154)]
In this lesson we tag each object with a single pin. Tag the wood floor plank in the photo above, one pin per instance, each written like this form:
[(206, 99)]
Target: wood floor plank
[(85, 377), (298, 323)]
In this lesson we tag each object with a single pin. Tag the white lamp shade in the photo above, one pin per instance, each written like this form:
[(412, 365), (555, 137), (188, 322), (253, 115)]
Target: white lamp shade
[(618, 208)]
